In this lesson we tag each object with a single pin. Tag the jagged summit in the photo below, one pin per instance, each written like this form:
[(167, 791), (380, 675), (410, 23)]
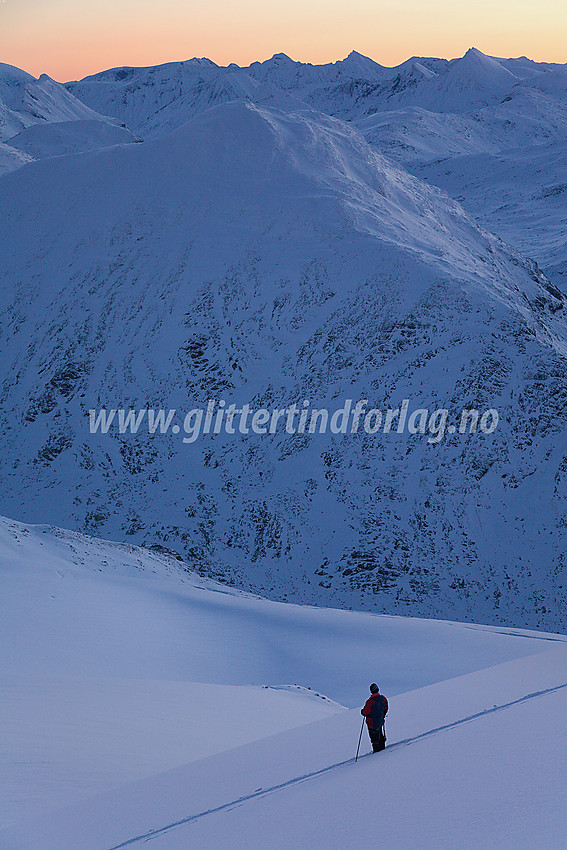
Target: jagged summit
[(363, 66), (479, 65), (474, 51), (201, 61)]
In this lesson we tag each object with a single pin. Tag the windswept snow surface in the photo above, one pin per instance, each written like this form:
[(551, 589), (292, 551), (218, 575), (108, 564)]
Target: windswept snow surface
[(118, 663), (453, 775), (44, 140)]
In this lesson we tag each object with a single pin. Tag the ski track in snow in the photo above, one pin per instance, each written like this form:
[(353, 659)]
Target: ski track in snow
[(263, 792)]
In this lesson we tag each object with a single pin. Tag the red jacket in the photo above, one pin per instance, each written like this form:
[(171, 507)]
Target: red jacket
[(375, 710)]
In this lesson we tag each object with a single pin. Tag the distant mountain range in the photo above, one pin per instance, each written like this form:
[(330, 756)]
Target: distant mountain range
[(186, 232)]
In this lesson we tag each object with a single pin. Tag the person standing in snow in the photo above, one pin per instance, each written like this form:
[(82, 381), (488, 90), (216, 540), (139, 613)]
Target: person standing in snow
[(375, 710)]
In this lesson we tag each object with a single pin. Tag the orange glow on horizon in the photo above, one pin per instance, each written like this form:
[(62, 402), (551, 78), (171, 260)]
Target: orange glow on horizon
[(69, 39)]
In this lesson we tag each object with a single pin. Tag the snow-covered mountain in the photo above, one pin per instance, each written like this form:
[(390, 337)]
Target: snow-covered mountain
[(155, 99), (40, 118), (417, 113), (26, 101), (520, 194), (263, 256), (158, 99), (120, 667), (421, 111)]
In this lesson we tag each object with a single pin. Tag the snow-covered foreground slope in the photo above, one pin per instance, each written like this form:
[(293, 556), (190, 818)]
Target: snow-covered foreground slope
[(263, 257), (474, 763), (118, 663), (460, 754)]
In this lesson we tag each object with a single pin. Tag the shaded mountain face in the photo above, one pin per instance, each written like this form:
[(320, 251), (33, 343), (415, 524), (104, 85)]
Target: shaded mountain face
[(264, 257)]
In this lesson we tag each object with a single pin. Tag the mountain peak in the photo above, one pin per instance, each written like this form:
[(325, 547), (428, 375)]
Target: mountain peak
[(474, 51), (476, 57), (358, 63), (12, 74), (281, 57), (202, 61), (478, 66)]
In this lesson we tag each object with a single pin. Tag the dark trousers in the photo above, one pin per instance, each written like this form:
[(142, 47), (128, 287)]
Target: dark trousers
[(377, 739)]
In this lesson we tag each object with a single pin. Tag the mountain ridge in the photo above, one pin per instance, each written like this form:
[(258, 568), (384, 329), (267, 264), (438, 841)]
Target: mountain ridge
[(263, 256)]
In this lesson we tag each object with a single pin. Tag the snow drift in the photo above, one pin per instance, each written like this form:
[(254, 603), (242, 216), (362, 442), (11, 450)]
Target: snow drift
[(119, 666)]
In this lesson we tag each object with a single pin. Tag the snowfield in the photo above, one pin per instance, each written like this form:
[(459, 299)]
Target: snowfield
[(141, 701), (277, 235)]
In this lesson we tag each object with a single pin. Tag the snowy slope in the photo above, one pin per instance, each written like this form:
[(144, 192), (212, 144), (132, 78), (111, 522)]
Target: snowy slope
[(155, 100), (11, 158), (118, 663), (414, 135), (40, 118), (453, 775), (461, 786), (419, 112), (63, 137), (520, 194), (28, 101), (267, 257)]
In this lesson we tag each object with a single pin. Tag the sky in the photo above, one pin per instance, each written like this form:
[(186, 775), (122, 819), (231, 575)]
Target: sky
[(69, 39)]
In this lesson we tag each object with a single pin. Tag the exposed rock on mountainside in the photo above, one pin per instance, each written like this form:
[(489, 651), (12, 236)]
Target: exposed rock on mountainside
[(267, 257)]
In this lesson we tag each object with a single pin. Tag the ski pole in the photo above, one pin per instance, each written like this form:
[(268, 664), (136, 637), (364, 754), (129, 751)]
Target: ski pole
[(359, 739)]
